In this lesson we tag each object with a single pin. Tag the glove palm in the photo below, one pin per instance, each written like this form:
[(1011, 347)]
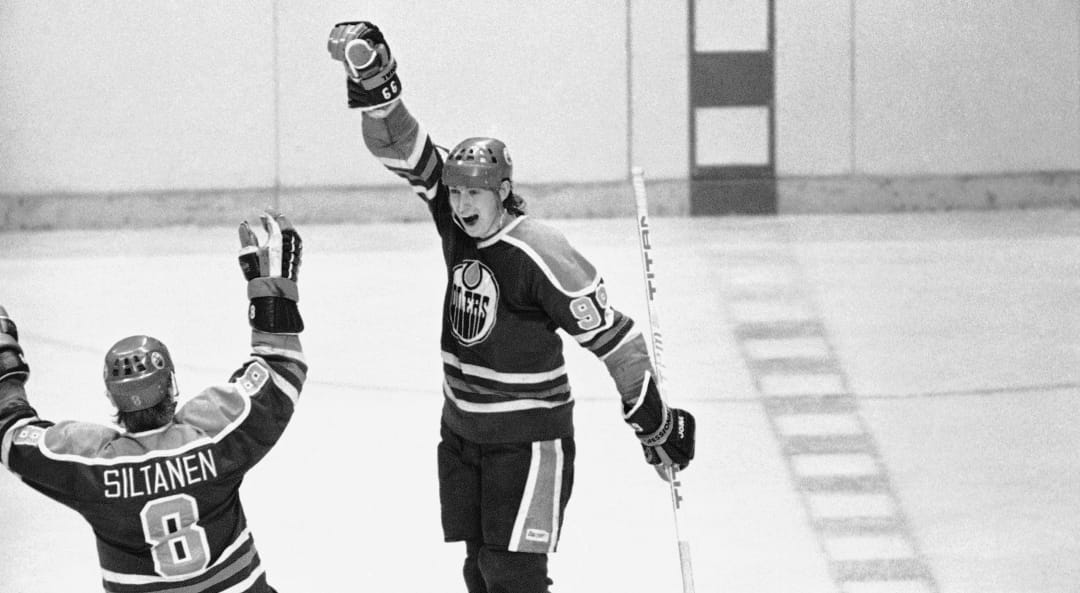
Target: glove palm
[(271, 269)]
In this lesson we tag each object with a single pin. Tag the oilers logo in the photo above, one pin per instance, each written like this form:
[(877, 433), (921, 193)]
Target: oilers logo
[(474, 299)]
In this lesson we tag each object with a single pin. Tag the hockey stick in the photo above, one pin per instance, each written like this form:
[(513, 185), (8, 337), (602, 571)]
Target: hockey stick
[(656, 340)]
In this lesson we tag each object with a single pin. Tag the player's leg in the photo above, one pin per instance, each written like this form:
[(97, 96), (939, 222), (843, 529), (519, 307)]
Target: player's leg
[(474, 579), (524, 488), (459, 496), (514, 572)]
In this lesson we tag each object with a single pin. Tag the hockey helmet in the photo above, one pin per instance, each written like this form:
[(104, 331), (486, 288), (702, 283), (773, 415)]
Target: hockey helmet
[(139, 373), (478, 162)]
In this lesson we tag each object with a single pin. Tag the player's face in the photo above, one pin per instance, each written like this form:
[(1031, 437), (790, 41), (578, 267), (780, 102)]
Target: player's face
[(480, 210)]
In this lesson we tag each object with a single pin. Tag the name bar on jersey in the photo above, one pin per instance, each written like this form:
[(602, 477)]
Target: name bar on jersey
[(160, 476)]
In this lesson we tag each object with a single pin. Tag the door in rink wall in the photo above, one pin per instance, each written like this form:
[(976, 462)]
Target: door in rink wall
[(732, 139)]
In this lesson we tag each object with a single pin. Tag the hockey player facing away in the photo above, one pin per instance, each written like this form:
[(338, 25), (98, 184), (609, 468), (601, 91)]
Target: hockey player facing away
[(506, 456), (162, 493)]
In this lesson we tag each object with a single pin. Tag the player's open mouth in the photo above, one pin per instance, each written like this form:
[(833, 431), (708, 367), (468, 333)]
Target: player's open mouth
[(470, 220)]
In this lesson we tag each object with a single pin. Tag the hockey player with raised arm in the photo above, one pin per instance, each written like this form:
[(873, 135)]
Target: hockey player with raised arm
[(162, 493), (506, 456)]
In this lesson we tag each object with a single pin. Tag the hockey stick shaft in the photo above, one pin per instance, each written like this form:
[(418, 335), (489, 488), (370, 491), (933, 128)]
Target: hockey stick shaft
[(656, 342)]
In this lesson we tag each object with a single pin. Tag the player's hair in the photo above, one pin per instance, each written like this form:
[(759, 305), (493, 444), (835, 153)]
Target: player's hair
[(150, 418), (514, 203)]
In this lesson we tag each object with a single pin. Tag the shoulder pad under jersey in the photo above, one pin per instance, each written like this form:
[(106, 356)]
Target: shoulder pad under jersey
[(567, 269)]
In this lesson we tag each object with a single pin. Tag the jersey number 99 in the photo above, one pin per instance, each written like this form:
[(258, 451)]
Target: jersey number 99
[(585, 311), (177, 542)]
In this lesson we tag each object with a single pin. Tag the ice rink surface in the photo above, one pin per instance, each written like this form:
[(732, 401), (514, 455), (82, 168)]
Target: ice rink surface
[(886, 403)]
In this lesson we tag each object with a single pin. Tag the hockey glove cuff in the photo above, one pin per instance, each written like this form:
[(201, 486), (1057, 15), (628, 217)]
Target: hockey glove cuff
[(666, 434), (273, 287), (273, 306), (275, 315)]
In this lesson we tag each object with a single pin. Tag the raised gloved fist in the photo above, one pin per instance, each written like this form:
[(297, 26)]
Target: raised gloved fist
[(12, 363), (372, 70), (271, 269), (666, 434)]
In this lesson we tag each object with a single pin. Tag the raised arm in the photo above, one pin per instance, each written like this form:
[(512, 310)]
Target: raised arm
[(248, 415), (14, 372), (391, 133), (272, 270)]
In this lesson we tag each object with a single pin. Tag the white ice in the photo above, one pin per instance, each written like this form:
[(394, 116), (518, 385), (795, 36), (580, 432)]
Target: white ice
[(958, 332)]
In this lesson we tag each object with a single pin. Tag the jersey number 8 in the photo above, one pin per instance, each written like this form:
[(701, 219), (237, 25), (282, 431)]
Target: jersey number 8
[(177, 542)]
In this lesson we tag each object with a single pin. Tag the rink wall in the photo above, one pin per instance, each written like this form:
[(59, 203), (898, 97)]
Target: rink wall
[(142, 114)]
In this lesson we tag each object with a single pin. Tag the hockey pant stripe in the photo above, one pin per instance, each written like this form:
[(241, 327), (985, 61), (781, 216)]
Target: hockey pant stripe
[(536, 528)]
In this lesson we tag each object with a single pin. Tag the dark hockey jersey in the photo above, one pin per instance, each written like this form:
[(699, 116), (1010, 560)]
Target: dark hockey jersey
[(506, 296), (164, 504)]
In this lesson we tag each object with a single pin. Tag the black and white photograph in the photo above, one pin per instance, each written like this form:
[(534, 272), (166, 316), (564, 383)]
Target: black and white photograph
[(669, 296)]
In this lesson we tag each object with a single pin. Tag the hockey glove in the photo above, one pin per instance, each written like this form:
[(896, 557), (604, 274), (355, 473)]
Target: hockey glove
[(372, 71), (271, 270), (12, 363), (666, 434)]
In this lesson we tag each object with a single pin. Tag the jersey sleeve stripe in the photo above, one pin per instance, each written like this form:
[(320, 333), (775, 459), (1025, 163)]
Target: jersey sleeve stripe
[(288, 370), (418, 144), (401, 143), (284, 357), (287, 388), (600, 341), (630, 338), (585, 338), (280, 351), (403, 146), (426, 189), (423, 176)]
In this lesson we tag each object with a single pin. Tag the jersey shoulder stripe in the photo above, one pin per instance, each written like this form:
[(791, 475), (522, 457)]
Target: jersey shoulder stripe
[(205, 419), (548, 248)]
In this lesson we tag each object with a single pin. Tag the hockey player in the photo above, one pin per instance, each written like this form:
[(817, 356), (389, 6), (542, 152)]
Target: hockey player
[(162, 493), (506, 456)]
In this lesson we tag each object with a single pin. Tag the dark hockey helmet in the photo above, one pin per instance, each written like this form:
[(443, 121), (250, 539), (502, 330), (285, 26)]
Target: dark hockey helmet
[(478, 162), (139, 373)]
